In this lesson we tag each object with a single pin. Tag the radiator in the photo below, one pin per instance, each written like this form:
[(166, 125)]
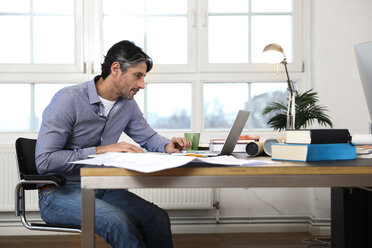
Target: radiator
[(185, 198)]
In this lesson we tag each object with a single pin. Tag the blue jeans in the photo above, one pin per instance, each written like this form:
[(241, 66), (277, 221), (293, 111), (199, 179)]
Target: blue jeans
[(122, 218)]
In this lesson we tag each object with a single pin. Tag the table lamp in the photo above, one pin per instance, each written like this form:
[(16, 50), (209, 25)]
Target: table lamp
[(276, 53)]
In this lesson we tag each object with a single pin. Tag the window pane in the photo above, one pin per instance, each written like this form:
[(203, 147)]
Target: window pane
[(249, 25), (124, 7), (271, 29), (17, 115), (53, 6), (223, 6), (271, 5), (228, 39), (263, 94), (222, 101), (140, 99), (169, 105), (132, 28), (43, 96), (167, 40), (54, 39), (19, 6), (15, 46), (45, 32), (164, 7), (161, 32)]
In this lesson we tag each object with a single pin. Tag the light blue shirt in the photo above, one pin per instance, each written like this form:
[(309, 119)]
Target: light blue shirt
[(74, 125)]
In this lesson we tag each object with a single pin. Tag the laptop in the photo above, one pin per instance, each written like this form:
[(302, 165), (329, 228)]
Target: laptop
[(232, 137)]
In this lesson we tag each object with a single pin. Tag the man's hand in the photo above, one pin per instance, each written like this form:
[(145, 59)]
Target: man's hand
[(118, 147), (177, 145)]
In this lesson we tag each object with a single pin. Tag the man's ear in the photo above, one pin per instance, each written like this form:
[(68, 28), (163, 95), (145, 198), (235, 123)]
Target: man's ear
[(115, 69)]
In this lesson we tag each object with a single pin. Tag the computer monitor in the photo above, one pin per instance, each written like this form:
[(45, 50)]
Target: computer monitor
[(363, 54)]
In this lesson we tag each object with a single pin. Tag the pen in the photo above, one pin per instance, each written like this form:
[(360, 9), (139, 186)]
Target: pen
[(194, 155)]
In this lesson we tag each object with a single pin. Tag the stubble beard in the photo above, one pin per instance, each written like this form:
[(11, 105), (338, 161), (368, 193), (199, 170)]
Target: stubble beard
[(132, 92)]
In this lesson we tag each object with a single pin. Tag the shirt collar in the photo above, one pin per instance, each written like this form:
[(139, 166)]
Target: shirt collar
[(92, 91)]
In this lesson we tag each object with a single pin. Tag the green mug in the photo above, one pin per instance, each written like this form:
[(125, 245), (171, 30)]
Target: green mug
[(194, 138)]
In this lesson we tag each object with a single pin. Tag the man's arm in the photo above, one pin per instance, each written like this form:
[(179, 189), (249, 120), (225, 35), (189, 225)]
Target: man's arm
[(177, 145), (141, 132), (118, 147), (51, 154)]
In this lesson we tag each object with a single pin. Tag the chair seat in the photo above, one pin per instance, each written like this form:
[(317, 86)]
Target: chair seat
[(54, 225)]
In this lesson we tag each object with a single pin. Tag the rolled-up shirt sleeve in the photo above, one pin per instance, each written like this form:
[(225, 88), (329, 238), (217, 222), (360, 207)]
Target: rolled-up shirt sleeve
[(142, 133)]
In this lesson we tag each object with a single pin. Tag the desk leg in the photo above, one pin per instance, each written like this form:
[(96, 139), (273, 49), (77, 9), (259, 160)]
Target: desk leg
[(87, 218), (351, 218), (338, 215)]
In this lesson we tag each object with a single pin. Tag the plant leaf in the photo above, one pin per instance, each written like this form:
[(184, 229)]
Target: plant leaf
[(307, 112)]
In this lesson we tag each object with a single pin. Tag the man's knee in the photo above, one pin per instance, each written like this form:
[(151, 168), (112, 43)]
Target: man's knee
[(161, 217)]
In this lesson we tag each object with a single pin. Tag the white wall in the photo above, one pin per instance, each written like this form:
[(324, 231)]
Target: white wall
[(336, 26)]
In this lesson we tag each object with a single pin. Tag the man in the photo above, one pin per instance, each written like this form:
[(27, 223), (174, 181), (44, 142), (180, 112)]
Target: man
[(88, 119)]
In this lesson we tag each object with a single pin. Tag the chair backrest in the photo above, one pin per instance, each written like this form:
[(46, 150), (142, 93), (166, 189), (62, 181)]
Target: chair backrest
[(25, 150)]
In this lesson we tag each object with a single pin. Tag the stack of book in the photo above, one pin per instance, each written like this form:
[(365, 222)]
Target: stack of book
[(215, 145), (315, 145)]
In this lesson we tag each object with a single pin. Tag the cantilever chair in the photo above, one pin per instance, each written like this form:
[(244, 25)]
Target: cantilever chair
[(29, 180)]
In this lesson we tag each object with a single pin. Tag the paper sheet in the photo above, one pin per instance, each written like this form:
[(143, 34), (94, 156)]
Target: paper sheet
[(364, 151), (142, 162), (230, 160), (362, 139), (151, 162)]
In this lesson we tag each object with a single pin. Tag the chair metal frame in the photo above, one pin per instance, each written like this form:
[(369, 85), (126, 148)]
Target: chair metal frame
[(31, 180)]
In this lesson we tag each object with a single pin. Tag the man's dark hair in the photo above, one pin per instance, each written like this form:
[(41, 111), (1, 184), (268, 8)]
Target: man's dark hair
[(127, 54)]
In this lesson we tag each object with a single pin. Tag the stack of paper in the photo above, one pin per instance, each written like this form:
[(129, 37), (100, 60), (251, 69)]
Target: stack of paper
[(151, 162)]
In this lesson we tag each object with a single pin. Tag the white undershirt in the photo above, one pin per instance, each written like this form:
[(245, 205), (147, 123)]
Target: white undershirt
[(107, 104)]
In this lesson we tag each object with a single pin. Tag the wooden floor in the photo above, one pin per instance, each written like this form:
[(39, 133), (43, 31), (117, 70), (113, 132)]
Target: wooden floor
[(236, 240)]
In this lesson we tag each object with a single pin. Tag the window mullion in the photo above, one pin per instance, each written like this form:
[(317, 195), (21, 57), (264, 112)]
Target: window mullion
[(32, 108), (145, 47), (32, 60), (249, 31)]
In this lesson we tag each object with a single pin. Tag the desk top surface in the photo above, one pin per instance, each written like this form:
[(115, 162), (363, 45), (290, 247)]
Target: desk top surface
[(341, 167)]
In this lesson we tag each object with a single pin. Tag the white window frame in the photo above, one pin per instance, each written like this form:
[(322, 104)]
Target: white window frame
[(191, 65), (88, 22), (205, 66), (77, 67)]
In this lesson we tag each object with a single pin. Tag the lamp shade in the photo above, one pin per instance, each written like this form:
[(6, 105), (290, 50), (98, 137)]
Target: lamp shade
[(274, 53), (273, 47)]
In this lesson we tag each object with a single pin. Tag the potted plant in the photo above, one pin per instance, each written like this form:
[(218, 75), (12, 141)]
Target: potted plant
[(307, 111)]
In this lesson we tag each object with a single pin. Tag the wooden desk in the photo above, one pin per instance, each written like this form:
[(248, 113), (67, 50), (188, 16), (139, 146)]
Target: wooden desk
[(353, 173)]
